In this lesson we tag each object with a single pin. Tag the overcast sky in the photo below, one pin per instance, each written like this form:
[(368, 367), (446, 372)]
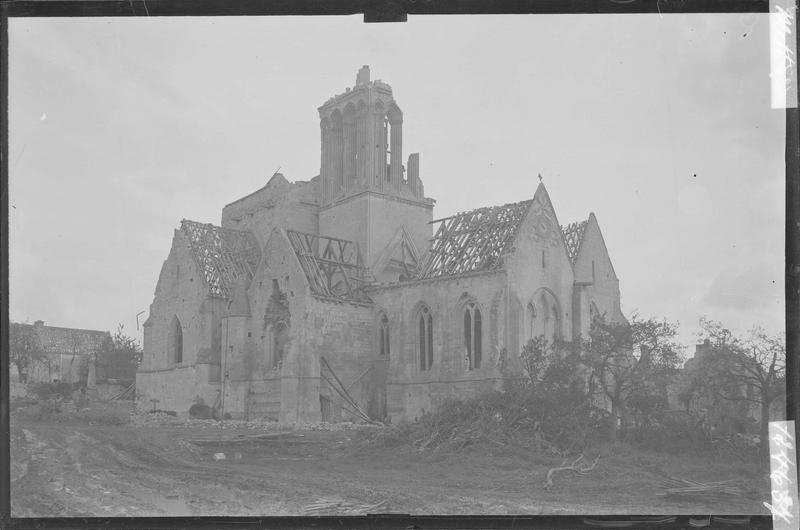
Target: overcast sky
[(661, 126)]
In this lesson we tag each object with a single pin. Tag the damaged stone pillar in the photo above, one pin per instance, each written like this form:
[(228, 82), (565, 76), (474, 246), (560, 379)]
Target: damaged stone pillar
[(91, 382), (396, 169), (325, 161), (337, 156), (349, 164), (381, 166), (414, 183), (362, 141)]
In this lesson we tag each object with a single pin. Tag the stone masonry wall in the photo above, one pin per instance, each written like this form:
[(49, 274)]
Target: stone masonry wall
[(529, 274), (279, 204), (410, 390), (176, 389), (182, 293), (604, 291), (372, 219)]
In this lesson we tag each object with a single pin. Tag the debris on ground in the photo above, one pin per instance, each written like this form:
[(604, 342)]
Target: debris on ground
[(253, 438), (150, 419), (680, 487), (341, 507), (574, 466)]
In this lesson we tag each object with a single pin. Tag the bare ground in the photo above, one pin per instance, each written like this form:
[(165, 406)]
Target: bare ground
[(78, 469)]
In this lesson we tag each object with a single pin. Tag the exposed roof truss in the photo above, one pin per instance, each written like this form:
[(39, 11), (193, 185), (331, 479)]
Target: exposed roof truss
[(573, 237), (473, 241), (334, 267), (224, 255)]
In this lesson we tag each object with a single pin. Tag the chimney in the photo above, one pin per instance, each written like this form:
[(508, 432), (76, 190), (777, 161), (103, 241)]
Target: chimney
[(363, 76)]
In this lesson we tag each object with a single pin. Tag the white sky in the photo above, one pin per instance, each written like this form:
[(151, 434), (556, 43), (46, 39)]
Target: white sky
[(662, 126)]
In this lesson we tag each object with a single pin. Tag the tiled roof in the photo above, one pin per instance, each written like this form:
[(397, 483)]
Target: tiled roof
[(573, 237), (69, 340), (473, 241), (224, 255)]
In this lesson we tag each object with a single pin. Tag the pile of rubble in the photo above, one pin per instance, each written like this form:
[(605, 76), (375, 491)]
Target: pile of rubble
[(147, 419)]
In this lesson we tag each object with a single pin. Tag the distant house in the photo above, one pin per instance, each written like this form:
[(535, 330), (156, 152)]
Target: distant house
[(67, 351), (686, 393)]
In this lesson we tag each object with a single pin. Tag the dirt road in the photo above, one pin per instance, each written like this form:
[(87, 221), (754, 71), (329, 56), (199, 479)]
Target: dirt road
[(75, 469)]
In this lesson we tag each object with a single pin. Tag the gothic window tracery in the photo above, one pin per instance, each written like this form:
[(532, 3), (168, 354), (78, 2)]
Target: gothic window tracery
[(383, 335), (425, 339), (473, 335)]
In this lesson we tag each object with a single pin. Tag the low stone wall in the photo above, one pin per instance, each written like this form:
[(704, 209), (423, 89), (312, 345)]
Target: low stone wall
[(176, 389), (408, 401)]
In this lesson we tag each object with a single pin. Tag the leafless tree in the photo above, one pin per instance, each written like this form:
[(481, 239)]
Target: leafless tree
[(25, 348), (750, 369), (627, 359)]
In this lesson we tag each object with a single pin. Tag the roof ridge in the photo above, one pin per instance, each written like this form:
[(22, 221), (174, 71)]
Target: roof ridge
[(463, 212), (45, 326)]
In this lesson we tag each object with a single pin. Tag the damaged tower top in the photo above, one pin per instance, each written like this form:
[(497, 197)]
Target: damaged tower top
[(362, 145), (362, 78)]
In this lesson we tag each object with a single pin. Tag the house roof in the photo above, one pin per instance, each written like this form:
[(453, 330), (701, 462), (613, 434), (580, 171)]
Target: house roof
[(473, 241), (333, 267), (224, 255), (573, 237), (68, 340)]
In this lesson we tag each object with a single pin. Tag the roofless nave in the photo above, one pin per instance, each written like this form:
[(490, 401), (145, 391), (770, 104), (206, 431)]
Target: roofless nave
[(340, 296)]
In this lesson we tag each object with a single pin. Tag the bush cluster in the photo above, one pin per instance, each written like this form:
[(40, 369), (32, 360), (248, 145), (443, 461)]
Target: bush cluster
[(553, 412), (53, 390)]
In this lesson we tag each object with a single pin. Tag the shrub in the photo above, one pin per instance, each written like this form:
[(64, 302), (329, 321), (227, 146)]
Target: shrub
[(201, 411), (50, 390), (558, 417)]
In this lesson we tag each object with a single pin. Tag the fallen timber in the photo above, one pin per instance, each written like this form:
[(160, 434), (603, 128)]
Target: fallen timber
[(277, 437)]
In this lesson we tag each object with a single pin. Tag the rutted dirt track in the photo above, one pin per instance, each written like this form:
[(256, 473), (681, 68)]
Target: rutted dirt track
[(76, 469)]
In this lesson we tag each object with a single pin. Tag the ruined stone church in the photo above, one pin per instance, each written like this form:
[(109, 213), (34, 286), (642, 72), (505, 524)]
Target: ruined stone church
[(341, 298)]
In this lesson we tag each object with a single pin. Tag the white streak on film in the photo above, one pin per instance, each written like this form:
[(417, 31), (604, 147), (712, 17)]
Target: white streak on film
[(783, 475), (783, 54)]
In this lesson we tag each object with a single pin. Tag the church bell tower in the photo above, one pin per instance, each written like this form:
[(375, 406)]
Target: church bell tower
[(366, 194)]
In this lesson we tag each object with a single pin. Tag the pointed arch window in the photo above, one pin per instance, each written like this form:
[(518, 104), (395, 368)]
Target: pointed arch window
[(594, 313), (547, 328), (383, 335), (473, 335), (531, 321), (556, 325), (425, 339), (280, 340), (547, 321), (176, 341)]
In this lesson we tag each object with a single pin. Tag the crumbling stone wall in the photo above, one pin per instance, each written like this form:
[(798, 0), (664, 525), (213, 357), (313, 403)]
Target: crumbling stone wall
[(278, 204), (344, 334), (182, 293)]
